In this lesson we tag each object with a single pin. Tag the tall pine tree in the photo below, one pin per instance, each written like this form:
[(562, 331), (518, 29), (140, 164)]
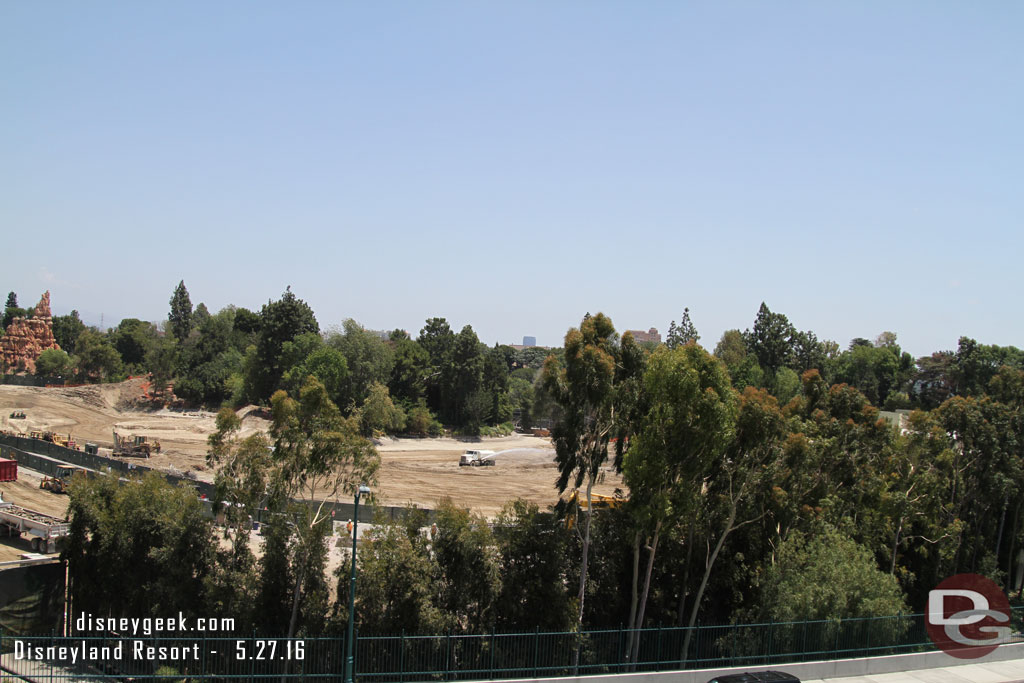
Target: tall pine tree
[(181, 313)]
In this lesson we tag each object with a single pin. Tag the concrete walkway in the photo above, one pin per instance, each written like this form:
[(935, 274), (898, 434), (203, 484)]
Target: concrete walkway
[(982, 672)]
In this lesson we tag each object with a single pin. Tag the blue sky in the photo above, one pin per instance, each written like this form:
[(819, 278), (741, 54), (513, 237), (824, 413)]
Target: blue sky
[(858, 166)]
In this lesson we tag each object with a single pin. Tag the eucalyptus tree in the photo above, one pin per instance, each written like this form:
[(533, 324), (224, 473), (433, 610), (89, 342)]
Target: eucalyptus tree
[(752, 460), (685, 428), (584, 389)]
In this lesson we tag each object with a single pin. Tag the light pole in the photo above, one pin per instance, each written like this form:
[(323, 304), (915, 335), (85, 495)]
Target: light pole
[(349, 659)]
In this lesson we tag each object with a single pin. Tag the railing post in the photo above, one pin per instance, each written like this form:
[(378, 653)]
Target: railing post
[(492, 651), (401, 658), (536, 649), (657, 652), (448, 655), (620, 647)]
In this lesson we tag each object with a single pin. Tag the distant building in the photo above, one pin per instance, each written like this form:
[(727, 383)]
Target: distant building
[(529, 341), (651, 335)]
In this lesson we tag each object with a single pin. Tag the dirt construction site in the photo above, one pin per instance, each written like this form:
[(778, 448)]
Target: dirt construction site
[(417, 471)]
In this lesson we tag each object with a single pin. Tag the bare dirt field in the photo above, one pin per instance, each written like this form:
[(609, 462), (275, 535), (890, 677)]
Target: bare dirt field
[(418, 471)]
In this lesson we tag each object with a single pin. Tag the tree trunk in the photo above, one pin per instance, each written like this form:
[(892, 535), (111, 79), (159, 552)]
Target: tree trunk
[(581, 594), (1002, 522), (633, 594), (647, 588), (681, 612), (895, 546), (704, 581), (1013, 542), (293, 622)]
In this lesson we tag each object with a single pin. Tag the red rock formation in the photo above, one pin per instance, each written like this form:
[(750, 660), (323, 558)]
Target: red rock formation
[(26, 338)]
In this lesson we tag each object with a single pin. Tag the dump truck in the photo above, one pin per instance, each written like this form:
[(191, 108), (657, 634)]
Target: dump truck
[(44, 531), (135, 445), (61, 482), (477, 459)]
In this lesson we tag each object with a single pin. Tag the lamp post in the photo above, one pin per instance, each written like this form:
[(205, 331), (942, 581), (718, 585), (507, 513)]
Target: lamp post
[(349, 658)]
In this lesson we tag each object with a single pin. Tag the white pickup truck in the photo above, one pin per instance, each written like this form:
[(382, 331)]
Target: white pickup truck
[(477, 459)]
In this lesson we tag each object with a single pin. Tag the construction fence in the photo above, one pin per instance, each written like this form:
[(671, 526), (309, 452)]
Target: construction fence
[(461, 657), (46, 456)]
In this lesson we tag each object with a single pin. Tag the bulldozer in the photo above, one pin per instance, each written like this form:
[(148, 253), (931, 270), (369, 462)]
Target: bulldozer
[(61, 482), (135, 445)]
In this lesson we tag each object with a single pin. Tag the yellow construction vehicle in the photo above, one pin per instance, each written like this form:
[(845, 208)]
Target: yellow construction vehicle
[(599, 501), (62, 481), (135, 445)]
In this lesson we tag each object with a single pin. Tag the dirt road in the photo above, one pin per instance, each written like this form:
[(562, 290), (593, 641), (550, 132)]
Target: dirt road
[(418, 471)]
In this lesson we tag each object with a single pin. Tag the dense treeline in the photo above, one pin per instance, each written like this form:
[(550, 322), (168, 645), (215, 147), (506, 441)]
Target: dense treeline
[(762, 481), (391, 382)]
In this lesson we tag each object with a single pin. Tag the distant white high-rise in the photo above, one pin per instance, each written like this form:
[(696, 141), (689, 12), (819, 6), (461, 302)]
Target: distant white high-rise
[(529, 341)]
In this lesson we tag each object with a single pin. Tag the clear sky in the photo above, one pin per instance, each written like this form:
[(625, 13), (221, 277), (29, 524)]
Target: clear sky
[(859, 166)]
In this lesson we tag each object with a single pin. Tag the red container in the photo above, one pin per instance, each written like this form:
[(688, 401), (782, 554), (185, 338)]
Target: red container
[(8, 470)]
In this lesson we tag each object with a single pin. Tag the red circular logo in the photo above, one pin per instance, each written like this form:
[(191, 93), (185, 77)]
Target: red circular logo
[(968, 616)]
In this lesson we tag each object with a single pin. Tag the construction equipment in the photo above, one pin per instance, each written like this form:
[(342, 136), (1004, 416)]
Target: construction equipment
[(597, 500), (44, 531), (18, 415), (51, 437), (135, 445), (477, 459), (62, 481)]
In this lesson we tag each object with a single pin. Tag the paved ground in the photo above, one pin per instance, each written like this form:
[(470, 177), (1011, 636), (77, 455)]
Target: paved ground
[(993, 672)]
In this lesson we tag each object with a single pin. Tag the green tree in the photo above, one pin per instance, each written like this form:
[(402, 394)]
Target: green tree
[(771, 340), (535, 561), (207, 361), (682, 334), (318, 456), (66, 329), (584, 390), (379, 414), (139, 549), (752, 460), (743, 368), (438, 340), (162, 360), (684, 430), (180, 316), (467, 565), (133, 339), (827, 576), (11, 310), (325, 363), (53, 363), (95, 358), (369, 360), (396, 583), (280, 322), (409, 373)]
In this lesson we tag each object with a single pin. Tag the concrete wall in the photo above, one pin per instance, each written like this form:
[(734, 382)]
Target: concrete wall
[(839, 668)]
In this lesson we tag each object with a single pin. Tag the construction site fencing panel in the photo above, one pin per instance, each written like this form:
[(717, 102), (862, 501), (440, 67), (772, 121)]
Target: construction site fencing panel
[(25, 450), (461, 657)]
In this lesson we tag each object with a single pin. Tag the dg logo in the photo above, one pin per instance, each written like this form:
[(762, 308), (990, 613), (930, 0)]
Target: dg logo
[(968, 616)]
